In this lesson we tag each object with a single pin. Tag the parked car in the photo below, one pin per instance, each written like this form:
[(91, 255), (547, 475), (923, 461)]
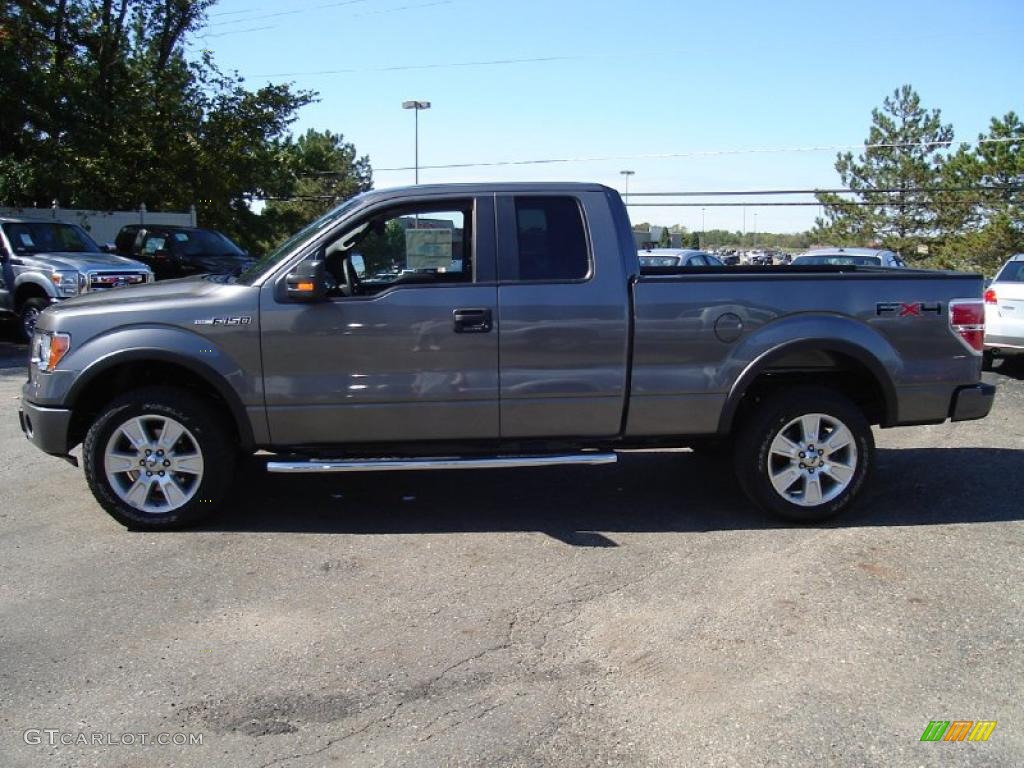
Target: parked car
[(1004, 311), (176, 251), (517, 329), (42, 262), (845, 257), (678, 257)]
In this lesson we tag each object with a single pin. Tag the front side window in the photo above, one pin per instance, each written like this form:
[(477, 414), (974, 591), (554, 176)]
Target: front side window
[(552, 241), (153, 244), (422, 245)]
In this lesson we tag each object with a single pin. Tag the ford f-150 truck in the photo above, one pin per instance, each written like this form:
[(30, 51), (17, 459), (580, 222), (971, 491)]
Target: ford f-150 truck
[(496, 325)]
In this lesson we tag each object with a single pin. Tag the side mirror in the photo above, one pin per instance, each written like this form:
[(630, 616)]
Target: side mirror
[(108, 248), (308, 282)]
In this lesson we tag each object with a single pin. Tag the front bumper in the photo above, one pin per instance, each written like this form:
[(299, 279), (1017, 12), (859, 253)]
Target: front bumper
[(46, 428), (972, 402)]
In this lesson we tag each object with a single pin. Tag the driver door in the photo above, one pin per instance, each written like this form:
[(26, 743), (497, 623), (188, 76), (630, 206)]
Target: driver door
[(405, 348)]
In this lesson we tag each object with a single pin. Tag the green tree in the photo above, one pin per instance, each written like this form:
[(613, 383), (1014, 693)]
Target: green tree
[(665, 241), (695, 239), (101, 108), (903, 152), (322, 169), (983, 208)]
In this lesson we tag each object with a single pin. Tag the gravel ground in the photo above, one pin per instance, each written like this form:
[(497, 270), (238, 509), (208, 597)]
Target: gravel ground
[(640, 614)]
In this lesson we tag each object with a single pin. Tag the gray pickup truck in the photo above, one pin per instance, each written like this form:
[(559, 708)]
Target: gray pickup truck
[(42, 262), (496, 325)]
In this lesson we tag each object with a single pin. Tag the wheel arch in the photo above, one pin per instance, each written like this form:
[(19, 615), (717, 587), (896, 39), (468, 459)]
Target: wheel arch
[(95, 387), (841, 364)]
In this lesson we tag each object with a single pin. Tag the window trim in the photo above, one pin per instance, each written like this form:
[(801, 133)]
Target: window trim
[(508, 240)]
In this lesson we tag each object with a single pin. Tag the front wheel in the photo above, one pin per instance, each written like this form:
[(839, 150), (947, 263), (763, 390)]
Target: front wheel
[(804, 454), (29, 314), (158, 458)]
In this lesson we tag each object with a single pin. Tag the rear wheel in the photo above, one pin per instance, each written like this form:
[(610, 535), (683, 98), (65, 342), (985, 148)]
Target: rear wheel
[(804, 454), (158, 458)]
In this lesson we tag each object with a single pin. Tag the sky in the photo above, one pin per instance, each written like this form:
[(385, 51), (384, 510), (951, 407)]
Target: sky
[(618, 81)]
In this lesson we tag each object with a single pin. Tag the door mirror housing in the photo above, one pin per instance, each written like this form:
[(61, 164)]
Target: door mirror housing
[(307, 282), (108, 248)]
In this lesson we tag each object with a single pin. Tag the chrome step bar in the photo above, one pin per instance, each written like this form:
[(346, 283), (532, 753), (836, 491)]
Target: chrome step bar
[(405, 465)]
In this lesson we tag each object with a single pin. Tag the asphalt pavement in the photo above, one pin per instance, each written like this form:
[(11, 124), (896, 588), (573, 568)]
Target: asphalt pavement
[(641, 614)]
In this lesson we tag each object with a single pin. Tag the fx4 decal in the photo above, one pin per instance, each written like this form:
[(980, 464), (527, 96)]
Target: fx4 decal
[(913, 309)]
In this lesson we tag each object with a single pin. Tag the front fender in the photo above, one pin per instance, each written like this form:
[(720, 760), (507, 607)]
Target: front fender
[(240, 389), (810, 332), (36, 280)]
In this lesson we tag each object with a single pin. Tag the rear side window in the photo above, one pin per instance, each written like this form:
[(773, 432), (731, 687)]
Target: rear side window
[(552, 242), (1013, 272)]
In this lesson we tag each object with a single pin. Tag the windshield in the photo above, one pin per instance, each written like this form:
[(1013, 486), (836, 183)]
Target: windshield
[(49, 236), (841, 260), (203, 242), (271, 260)]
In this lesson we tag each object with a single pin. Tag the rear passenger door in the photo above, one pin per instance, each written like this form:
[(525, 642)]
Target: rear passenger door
[(564, 317)]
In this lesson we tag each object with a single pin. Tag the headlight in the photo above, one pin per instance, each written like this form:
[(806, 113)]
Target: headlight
[(48, 349), (65, 281)]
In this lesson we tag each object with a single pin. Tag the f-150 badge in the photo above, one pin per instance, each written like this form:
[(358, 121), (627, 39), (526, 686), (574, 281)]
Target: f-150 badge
[(235, 320)]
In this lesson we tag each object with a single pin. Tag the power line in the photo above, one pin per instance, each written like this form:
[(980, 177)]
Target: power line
[(408, 67), (353, 16), (290, 12), (692, 153), (777, 204), (835, 191)]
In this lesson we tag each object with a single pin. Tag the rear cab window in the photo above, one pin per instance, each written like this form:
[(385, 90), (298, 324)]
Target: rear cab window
[(551, 242)]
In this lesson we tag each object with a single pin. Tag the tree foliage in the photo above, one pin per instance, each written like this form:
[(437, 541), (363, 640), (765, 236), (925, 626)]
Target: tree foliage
[(890, 179), (101, 108)]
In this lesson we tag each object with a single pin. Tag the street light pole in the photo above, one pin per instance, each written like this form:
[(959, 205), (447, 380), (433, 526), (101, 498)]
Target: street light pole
[(416, 106), (755, 229), (625, 195), (703, 230)]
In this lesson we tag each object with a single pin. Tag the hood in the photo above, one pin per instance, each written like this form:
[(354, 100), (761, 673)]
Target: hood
[(220, 264), (164, 293), (83, 262)]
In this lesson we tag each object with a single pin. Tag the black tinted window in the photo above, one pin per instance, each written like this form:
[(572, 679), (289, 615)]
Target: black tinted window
[(1013, 272), (552, 244)]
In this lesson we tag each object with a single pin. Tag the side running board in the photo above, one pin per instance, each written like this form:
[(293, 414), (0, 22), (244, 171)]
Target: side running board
[(405, 465)]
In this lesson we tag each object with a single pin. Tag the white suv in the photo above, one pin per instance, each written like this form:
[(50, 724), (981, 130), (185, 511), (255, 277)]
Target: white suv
[(1004, 311)]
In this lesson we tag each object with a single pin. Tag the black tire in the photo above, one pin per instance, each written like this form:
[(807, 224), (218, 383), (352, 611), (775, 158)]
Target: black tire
[(28, 314), (987, 360), (207, 427), (757, 433)]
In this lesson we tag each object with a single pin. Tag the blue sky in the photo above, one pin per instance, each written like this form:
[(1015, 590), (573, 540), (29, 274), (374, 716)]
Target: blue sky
[(644, 77)]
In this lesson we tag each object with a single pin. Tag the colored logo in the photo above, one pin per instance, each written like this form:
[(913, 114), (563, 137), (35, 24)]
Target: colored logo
[(958, 730)]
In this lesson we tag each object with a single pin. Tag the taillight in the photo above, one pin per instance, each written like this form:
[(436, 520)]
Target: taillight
[(990, 297), (967, 320)]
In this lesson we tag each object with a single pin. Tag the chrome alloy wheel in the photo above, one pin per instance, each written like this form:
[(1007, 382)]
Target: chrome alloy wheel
[(153, 463), (812, 459)]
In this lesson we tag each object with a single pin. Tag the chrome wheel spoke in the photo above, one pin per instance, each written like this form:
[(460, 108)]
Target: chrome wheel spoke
[(839, 439), (169, 435), (188, 465), (785, 479), (810, 425), (839, 472), (119, 462), (138, 493), (812, 490), (783, 446), (135, 432), (172, 492)]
